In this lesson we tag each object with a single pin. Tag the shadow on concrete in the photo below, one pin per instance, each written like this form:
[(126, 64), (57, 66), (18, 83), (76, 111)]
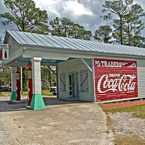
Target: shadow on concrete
[(54, 101), (7, 106)]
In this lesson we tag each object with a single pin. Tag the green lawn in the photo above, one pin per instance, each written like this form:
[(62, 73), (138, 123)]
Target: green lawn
[(138, 111), (3, 94), (25, 93)]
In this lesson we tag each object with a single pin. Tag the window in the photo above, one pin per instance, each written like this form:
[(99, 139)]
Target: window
[(84, 80), (62, 82)]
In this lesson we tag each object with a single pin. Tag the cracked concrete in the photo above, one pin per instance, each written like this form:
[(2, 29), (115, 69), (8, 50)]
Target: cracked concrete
[(63, 124)]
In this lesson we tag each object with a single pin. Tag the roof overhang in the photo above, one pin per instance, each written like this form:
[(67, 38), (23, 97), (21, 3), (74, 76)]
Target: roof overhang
[(57, 52)]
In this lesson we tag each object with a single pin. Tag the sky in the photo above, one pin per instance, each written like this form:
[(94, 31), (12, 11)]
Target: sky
[(84, 12)]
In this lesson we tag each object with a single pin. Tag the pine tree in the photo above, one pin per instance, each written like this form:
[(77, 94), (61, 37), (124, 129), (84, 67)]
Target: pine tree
[(26, 16), (104, 34), (126, 17), (66, 28)]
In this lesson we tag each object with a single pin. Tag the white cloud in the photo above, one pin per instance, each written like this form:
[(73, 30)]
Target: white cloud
[(66, 6), (50, 5), (78, 11), (84, 12), (76, 8)]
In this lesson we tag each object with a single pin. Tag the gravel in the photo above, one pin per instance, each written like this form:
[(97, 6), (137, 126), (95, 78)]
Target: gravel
[(125, 123)]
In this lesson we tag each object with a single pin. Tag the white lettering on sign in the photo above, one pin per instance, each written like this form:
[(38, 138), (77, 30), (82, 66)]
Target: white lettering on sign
[(126, 83), (109, 63)]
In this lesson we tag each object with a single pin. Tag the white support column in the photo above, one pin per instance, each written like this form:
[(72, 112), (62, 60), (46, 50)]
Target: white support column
[(36, 75), (13, 84), (37, 99)]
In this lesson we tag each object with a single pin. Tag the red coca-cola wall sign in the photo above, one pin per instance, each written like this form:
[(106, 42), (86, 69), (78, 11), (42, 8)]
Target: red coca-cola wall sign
[(115, 79)]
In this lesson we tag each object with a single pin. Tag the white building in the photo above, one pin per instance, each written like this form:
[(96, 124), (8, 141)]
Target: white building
[(86, 70)]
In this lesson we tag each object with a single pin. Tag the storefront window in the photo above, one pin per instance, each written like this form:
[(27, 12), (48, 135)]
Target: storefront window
[(63, 82), (83, 80)]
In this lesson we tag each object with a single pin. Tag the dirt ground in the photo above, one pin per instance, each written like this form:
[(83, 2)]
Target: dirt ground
[(127, 129), (67, 123), (61, 124)]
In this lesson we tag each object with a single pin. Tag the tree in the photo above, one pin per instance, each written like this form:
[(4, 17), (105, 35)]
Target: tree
[(118, 9), (134, 25), (26, 16), (66, 28), (104, 34), (127, 23)]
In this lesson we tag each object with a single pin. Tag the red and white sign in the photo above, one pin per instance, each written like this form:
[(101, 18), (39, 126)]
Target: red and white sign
[(115, 79)]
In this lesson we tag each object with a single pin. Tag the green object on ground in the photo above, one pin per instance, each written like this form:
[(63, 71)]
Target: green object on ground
[(137, 111), (37, 102), (13, 96)]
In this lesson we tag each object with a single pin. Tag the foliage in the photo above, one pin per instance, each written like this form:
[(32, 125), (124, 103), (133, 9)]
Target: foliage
[(5, 76), (104, 34), (126, 18), (26, 16), (66, 28)]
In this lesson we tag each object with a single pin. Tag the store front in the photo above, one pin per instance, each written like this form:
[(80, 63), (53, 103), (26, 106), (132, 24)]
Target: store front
[(110, 79), (86, 70)]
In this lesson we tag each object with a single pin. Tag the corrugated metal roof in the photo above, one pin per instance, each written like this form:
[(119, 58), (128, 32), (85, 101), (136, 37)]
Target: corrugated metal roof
[(32, 39)]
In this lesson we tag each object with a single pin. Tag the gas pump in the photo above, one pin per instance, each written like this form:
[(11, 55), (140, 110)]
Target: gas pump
[(18, 84), (30, 84)]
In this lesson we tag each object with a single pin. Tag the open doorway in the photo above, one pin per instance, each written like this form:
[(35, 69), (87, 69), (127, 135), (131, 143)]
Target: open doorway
[(73, 86)]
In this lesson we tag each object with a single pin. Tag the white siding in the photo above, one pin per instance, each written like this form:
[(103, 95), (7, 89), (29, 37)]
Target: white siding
[(141, 78), (13, 47)]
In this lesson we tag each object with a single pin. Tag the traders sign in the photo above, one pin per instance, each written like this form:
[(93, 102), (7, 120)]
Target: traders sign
[(115, 79)]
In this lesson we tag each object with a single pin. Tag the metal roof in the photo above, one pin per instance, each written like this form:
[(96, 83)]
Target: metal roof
[(63, 43)]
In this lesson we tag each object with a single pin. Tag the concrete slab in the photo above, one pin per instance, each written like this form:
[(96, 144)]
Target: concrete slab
[(64, 124)]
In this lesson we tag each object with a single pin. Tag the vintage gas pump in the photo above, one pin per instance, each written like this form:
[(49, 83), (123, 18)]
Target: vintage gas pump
[(30, 84), (18, 84)]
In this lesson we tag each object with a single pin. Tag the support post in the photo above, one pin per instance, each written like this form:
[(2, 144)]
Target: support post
[(21, 75), (87, 65), (13, 85), (37, 99), (30, 89), (18, 84), (57, 82)]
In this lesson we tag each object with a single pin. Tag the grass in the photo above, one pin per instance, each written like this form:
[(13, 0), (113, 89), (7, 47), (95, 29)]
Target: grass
[(138, 111), (44, 93), (4, 94), (25, 93)]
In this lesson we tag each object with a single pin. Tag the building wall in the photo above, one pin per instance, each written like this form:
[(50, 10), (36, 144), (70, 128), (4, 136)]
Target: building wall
[(75, 66), (141, 78)]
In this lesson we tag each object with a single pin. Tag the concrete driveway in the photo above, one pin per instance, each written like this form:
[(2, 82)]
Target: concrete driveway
[(62, 124)]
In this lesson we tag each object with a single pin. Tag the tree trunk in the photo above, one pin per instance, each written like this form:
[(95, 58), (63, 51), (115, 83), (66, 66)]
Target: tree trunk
[(129, 36), (121, 30)]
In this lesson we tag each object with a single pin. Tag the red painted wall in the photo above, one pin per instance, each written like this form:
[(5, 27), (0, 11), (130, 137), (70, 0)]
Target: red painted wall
[(115, 79)]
